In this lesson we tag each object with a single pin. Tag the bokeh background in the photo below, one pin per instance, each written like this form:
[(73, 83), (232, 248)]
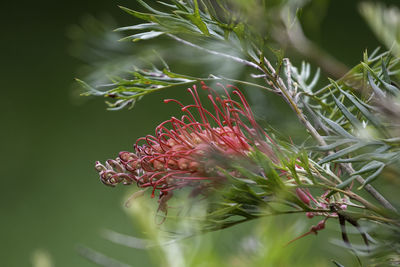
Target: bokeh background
[(51, 199)]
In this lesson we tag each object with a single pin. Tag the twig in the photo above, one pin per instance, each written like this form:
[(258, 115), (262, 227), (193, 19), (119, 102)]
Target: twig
[(381, 219), (369, 188), (242, 82), (237, 59), (282, 89), (347, 166)]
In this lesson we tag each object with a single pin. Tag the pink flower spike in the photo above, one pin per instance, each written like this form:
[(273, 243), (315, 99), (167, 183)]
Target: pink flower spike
[(178, 155)]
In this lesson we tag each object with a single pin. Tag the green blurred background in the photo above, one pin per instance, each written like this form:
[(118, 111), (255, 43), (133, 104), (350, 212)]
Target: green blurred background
[(51, 198)]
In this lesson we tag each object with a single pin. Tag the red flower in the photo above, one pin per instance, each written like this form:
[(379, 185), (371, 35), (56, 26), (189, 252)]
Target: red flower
[(179, 153)]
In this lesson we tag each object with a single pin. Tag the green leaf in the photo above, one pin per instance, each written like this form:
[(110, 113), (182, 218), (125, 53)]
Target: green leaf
[(385, 73), (358, 103), (90, 90), (352, 119), (169, 22), (125, 92), (305, 163), (372, 177), (152, 10), (375, 88), (342, 152), (344, 184), (228, 209), (143, 36), (335, 144), (180, 5), (291, 165), (392, 89), (167, 5), (195, 18), (268, 168), (252, 176), (369, 167), (140, 15), (143, 26), (337, 128)]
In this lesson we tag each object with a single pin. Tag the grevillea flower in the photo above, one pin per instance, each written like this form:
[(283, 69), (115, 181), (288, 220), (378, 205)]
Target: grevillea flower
[(179, 154)]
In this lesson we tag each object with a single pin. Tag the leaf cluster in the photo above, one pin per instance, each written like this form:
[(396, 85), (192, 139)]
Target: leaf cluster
[(351, 113)]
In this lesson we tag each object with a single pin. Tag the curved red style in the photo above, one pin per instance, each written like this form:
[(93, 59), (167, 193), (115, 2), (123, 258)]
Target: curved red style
[(179, 153)]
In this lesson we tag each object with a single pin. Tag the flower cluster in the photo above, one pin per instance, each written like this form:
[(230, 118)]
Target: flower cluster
[(190, 151), (179, 155)]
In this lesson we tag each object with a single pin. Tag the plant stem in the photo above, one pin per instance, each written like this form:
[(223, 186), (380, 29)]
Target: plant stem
[(213, 52), (281, 88), (369, 188), (346, 166), (381, 219), (360, 199)]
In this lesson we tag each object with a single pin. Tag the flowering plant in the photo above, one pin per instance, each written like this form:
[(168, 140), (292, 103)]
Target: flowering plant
[(224, 154)]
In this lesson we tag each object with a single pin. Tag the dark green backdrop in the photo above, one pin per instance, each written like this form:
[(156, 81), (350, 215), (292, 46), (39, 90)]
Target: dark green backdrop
[(51, 198)]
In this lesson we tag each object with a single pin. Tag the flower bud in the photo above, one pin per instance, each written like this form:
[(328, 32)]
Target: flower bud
[(99, 167), (310, 215), (302, 196), (183, 163), (158, 165), (321, 225), (126, 156)]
